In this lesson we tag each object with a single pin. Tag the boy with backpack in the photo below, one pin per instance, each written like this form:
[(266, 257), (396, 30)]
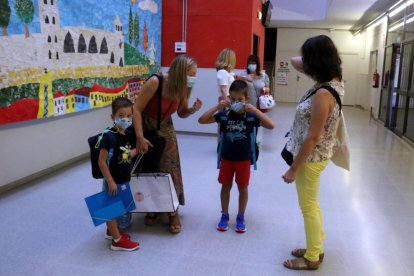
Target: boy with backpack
[(115, 164), (238, 121)]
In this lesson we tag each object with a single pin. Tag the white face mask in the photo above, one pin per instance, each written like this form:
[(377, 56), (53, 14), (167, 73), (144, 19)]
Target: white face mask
[(237, 107), (123, 123), (252, 67), (191, 81)]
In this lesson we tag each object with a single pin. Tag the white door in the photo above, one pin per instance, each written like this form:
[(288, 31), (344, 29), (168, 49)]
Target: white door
[(349, 75)]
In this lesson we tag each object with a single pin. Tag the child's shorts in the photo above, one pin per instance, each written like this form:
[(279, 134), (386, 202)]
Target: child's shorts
[(229, 168)]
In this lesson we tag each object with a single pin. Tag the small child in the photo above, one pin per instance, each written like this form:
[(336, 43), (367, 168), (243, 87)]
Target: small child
[(237, 128), (118, 171)]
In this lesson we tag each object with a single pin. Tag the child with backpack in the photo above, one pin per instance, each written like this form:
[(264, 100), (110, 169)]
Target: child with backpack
[(238, 121), (115, 164)]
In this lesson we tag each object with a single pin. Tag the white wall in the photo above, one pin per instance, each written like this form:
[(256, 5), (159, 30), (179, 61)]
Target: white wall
[(32, 148), (290, 40), (29, 148), (376, 40), (206, 90)]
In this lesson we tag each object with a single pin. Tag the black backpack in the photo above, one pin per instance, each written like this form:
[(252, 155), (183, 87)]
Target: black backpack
[(95, 147)]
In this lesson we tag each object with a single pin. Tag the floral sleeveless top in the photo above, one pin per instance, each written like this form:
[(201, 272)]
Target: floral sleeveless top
[(324, 149)]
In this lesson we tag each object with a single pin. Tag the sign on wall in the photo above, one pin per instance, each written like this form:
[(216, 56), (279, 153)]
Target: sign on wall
[(64, 56), (282, 73)]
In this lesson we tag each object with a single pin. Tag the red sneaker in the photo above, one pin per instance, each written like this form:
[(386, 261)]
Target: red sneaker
[(109, 237), (124, 244)]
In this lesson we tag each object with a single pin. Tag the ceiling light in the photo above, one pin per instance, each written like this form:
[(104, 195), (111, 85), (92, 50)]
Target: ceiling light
[(400, 8)]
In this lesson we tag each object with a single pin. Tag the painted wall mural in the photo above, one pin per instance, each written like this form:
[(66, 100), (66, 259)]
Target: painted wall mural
[(64, 56)]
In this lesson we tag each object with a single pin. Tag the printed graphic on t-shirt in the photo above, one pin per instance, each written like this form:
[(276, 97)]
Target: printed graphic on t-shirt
[(236, 130), (125, 157)]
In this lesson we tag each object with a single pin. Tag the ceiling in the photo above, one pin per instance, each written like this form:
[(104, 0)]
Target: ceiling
[(327, 14)]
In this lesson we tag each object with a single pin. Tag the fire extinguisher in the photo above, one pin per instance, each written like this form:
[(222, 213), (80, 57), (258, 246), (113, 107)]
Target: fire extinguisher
[(375, 79)]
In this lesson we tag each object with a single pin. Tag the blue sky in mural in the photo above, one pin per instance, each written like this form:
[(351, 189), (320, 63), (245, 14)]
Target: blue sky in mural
[(98, 14)]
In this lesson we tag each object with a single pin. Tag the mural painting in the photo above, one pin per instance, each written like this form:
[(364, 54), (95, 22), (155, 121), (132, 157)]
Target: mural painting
[(64, 56)]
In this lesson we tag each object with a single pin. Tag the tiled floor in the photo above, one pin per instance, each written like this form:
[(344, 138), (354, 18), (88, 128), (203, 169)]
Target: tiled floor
[(368, 216)]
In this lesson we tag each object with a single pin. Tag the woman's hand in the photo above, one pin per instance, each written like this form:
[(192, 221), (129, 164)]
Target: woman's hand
[(266, 90), (197, 105), (143, 145), (289, 176)]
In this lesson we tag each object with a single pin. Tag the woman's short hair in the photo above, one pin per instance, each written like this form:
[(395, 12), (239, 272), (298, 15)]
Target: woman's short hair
[(177, 76), (226, 60), (254, 59), (321, 60)]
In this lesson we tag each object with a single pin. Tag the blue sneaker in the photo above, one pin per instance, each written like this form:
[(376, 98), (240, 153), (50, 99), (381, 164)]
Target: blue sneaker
[(240, 226), (224, 222)]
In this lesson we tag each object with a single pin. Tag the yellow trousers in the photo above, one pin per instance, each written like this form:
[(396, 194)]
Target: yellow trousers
[(307, 187)]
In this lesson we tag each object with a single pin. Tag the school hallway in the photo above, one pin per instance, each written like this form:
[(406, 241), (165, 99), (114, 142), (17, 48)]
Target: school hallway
[(368, 215)]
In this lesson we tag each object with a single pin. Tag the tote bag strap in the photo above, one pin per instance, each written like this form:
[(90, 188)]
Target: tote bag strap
[(331, 90)]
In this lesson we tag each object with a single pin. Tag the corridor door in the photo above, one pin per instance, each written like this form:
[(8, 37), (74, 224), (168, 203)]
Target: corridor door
[(350, 69)]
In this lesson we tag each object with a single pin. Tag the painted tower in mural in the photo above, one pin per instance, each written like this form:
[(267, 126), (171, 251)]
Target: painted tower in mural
[(72, 46), (78, 46)]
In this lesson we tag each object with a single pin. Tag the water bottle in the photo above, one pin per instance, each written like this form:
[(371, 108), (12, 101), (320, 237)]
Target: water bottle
[(124, 221)]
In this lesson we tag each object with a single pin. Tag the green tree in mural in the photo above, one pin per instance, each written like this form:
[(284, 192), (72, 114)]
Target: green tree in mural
[(25, 12), (4, 15), (131, 26), (136, 31)]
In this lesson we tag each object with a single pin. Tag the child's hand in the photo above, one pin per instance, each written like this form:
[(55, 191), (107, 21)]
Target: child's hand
[(250, 108), (223, 104), (112, 188)]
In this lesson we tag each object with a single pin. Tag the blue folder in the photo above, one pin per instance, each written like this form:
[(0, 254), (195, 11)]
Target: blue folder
[(104, 207)]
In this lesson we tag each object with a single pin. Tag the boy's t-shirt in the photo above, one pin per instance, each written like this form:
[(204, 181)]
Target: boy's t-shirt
[(237, 130), (120, 163)]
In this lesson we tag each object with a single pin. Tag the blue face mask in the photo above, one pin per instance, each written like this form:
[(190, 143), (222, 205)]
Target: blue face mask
[(123, 123), (252, 67), (191, 81), (237, 107)]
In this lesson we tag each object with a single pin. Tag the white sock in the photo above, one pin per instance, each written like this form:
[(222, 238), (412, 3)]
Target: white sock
[(118, 239)]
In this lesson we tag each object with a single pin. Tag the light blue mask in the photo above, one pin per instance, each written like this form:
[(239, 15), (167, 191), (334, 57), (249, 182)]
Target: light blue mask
[(123, 123), (252, 67), (191, 81), (237, 107)]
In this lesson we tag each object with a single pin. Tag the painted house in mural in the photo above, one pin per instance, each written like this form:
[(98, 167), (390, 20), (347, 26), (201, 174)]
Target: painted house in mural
[(102, 96), (59, 103), (59, 47)]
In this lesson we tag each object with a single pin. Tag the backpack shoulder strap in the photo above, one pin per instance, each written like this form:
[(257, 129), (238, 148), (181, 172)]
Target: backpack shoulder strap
[(223, 118), (249, 120)]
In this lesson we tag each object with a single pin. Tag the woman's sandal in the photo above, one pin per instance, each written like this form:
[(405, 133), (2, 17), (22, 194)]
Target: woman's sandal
[(301, 264), (174, 223), (151, 219), (300, 252)]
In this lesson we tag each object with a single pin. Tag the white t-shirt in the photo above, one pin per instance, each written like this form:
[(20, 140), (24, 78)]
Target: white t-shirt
[(224, 78)]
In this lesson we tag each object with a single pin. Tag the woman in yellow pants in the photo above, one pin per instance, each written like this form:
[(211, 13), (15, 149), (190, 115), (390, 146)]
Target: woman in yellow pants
[(312, 140)]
